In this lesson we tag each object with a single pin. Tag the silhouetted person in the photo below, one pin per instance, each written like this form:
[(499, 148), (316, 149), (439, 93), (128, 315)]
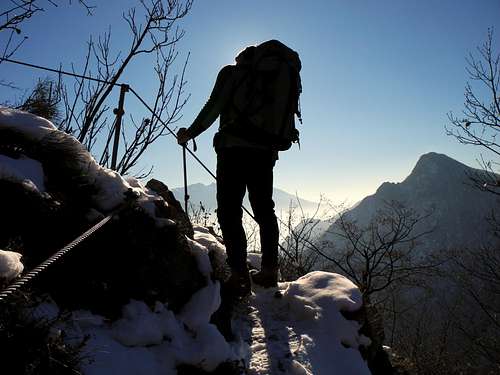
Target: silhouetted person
[(256, 99)]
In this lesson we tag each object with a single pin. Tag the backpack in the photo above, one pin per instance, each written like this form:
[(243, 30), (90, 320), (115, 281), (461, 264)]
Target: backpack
[(266, 98)]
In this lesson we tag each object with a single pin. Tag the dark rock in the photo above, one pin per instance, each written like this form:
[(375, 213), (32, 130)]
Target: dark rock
[(378, 360), (173, 210), (130, 258), (38, 224), (28, 345)]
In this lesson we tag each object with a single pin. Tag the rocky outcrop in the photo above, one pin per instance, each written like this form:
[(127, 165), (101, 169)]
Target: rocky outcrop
[(141, 254), (130, 258), (172, 209)]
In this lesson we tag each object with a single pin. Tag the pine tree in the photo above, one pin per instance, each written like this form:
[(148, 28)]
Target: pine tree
[(44, 100)]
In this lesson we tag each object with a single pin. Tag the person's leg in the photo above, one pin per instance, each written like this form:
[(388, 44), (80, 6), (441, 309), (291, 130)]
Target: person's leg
[(260, 193), (230, 192)]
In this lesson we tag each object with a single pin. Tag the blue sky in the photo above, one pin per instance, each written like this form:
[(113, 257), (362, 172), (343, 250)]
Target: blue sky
[(378, 77)]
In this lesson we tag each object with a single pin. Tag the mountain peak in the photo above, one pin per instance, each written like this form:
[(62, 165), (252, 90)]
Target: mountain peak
[(434, 157), (435, 164)]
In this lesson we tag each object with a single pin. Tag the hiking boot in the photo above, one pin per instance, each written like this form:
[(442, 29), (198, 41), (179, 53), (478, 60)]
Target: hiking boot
[(267, 278), (238, 285)]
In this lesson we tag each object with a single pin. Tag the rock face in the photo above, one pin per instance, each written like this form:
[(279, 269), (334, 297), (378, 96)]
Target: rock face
[(141, 254), (174, 209)]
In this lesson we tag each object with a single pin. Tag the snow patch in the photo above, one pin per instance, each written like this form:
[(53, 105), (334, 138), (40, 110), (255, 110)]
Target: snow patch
[(10, 265), (155, 341), (327, 290), (300, 333), (200, 253), (138, 326), (201, 306), (24, 170), (46, 310), (215, 248), (146, 341), (29, 124)]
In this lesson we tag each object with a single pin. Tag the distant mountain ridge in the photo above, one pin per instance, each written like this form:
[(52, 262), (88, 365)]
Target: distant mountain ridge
[(207, 195), (440, 184)]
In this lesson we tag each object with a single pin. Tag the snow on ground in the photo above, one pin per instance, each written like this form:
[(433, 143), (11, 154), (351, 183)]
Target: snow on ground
[(26, 171), (300, 333), (303, 332), (10, 265), (147, 341), (154, 341)]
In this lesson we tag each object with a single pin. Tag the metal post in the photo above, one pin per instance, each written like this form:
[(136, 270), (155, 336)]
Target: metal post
[(118, 124), (186, 195)]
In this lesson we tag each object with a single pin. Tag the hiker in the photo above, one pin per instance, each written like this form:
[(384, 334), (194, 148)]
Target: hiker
[(256, 99)]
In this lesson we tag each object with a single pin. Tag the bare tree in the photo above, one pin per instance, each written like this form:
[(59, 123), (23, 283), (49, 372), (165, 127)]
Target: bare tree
[(85, 103), (452, 327), (477, 274), (373, 256), (199, 215), (382, 252), (479, 123), (427, 336), (14, 12), (86, 106), (300, 230)]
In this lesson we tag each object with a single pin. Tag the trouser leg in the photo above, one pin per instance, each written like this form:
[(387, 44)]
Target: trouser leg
[(260, 193), (230, 192)]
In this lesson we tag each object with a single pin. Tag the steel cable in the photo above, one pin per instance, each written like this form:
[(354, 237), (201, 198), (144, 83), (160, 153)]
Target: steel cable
[(23, 280)]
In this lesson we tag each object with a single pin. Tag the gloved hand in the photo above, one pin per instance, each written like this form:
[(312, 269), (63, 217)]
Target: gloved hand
[(183, 136)]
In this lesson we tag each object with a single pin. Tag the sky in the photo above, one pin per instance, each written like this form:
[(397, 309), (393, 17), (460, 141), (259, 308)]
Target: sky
[(379, 78)]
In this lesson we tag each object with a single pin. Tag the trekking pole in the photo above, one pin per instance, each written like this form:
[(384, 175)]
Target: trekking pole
[(186, 195)]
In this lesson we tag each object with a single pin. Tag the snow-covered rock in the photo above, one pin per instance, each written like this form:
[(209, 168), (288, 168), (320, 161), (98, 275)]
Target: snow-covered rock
[(157, 339), (61, 151), (10, 265), (26, 123)]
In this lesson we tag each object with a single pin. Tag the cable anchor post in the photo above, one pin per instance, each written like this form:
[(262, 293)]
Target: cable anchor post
[(119, 112)]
